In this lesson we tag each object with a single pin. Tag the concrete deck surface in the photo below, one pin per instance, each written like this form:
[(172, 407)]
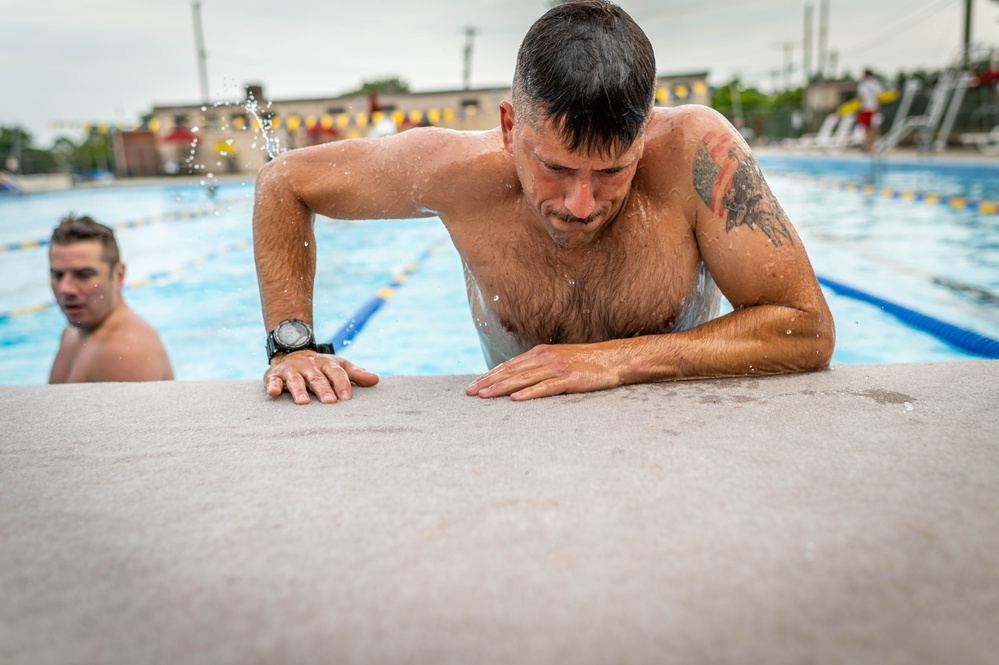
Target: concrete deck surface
[(850, 516)]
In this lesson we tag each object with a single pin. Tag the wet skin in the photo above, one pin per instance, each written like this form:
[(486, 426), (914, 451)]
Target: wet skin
[(104, 339), (584, 271)]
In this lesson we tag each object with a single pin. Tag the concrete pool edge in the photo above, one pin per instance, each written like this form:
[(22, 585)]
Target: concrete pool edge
[(846, 515)]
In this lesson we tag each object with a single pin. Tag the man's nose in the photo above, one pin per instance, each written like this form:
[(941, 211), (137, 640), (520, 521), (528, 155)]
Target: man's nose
[(579, 201), (66, 285)]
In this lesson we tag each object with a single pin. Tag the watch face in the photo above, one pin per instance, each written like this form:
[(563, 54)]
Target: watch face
[(292, 335)]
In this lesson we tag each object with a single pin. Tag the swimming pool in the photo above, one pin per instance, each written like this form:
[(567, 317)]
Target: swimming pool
[(190, 271)]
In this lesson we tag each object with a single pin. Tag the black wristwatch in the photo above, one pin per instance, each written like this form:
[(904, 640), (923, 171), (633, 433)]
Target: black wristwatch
[(293, 335)]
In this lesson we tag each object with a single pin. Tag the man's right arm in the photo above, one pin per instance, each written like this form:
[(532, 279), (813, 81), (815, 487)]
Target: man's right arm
[(357, 179)]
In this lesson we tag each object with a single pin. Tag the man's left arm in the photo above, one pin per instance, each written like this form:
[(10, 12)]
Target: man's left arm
[(780, 323)]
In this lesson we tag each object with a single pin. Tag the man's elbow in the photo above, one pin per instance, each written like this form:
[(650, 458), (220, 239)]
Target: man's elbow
[(820, 344), (271, 175)]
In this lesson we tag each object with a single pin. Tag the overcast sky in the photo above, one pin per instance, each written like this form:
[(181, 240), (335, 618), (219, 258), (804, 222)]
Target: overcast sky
[(112, 60)]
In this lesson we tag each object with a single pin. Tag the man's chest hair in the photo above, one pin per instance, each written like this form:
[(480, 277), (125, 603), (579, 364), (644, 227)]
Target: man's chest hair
[(617, 295)]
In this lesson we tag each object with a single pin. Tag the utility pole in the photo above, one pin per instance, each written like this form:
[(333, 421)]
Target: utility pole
[(823, 37), (966, 54), (788, 67), (806, 65), (469, 44), (788, 64), (199, 45)]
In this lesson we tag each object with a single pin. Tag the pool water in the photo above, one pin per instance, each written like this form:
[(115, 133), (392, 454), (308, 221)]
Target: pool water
[(930, 257), (202, 293)]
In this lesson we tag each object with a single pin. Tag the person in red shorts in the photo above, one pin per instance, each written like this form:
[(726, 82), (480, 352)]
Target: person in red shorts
[(867, 91)]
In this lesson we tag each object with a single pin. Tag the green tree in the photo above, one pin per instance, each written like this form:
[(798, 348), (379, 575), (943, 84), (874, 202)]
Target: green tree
[(94, 153), (17, 153), (751, 100), (387, 86)]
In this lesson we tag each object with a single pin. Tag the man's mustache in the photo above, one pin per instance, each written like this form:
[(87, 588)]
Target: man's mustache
[(569, 218)]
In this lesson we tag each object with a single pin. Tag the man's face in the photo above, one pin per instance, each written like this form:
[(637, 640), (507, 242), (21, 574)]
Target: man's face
[(85, 286), (574, 194)]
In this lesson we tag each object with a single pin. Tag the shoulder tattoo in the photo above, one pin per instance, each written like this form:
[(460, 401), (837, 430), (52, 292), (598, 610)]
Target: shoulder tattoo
[(730, 183)]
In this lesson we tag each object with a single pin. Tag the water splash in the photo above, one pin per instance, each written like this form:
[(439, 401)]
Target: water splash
[(271, 143)]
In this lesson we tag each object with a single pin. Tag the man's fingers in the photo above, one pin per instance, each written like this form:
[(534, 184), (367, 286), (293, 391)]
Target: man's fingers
[(295, 386), (338, 379), (362, 377), (328, 377), (274, 385), (320, 385), (502, 372), (555, 386), (519, 381), (359, 375)]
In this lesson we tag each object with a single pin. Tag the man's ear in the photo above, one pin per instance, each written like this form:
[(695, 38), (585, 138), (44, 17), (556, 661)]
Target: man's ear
[(118, 275), (506, 125)]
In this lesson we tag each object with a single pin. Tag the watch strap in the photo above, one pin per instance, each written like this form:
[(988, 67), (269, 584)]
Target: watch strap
[(272, 348)]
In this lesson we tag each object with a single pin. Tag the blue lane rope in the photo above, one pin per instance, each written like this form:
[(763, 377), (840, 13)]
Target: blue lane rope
[(149, 220), (964, 339), (349, 331), (136, 283), (982, 206)]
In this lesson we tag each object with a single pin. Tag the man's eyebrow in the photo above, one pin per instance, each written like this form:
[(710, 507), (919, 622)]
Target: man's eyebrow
[(545, 160), (616, 167)]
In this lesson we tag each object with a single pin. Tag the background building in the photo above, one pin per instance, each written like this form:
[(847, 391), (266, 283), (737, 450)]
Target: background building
[(239, 137)]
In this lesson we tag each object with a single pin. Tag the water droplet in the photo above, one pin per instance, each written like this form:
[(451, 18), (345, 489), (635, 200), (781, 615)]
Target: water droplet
[(306, 243), (788, 332), (495, 298)]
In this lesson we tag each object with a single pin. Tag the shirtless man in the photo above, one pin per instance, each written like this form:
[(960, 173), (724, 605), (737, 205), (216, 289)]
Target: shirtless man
[(593, 230), (105, 340)]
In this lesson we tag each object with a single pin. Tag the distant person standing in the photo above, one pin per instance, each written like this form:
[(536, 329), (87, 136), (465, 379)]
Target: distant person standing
[(867, 91), (105, 340)]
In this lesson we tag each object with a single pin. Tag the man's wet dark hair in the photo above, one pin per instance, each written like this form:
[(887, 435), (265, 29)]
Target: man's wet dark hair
[(591, 71), (74, 229)]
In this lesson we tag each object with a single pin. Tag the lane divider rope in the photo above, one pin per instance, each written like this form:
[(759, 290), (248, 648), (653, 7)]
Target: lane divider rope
[(153, 278), (981, 206), (149, 220), (962, 338), (345, 336)]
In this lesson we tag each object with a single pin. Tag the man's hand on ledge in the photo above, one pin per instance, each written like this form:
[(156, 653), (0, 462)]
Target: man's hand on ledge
[(329, 377), (550, 369)]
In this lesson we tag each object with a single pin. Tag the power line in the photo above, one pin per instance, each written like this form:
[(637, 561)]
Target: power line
[(896, 28)]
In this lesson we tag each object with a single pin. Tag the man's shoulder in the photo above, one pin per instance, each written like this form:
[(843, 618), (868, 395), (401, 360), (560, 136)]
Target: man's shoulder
[(453, 142), (128, 330), (453, 152), (679, 122), (130, 350), (463, 161), (679, 129), (675, 134)]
